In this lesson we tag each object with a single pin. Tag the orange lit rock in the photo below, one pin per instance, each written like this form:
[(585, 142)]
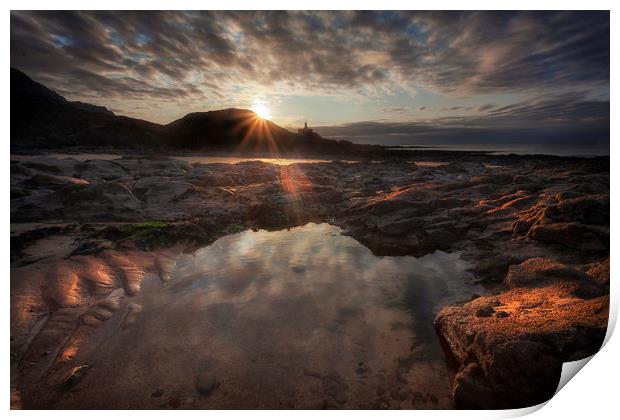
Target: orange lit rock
[(515, 360)]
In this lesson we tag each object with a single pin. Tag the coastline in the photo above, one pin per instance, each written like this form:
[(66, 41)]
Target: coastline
[(541, 238)]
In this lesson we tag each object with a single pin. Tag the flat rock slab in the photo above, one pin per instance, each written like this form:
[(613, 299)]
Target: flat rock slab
[(511, 346)]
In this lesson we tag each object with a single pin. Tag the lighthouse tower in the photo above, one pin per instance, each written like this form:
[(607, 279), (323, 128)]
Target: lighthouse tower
[(305, 130)]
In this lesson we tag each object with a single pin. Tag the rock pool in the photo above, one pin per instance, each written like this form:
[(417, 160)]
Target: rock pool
[(299, 318)]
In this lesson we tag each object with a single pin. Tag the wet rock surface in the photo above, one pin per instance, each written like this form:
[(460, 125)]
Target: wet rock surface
[(535, 230), (515, 360)]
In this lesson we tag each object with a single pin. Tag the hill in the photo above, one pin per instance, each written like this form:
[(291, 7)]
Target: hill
[(43, 119)]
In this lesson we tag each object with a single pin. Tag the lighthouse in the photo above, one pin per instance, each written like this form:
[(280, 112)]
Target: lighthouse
[(305, 130)]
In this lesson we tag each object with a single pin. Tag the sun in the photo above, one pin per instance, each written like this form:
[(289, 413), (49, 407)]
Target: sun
[(261, 110)]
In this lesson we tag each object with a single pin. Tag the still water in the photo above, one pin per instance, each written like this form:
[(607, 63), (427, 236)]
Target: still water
[(299, 318), (206, 159), (188, 159)]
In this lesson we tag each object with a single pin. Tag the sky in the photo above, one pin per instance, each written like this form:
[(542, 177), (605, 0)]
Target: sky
[(384, 77)]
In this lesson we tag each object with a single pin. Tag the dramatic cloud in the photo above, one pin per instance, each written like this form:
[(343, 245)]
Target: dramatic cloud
[(469, 51), (160, 65)]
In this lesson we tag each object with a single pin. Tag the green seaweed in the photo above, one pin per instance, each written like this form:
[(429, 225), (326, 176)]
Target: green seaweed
[(147, 234), (232, 228), (142, 226), (153, 234)]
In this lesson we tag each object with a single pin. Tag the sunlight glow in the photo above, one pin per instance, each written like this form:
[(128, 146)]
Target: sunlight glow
[(261, 110)]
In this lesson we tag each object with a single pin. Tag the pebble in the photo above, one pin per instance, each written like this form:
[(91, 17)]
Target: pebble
[(206, 383)]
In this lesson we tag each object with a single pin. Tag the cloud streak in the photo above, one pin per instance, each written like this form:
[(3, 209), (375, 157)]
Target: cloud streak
[(454, 52), (160, 65), (563, 119)]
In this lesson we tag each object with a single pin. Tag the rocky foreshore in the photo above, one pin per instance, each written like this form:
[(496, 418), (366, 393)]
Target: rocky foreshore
[(84, 234)]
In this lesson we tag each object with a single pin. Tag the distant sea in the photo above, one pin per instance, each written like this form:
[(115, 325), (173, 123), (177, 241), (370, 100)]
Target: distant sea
[(517, 149)]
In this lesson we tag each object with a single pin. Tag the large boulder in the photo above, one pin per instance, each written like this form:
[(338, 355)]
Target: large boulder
[(600, 272), (19, 172), (52, 165), (537, 271), (542, 271), (101, 169), (215, 179), (48, 181), (161, 190), (36, 206), (398, 223), (590, 210), (511, 346), (522, 373), (159, 166), (100, 201), (585, 238)]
